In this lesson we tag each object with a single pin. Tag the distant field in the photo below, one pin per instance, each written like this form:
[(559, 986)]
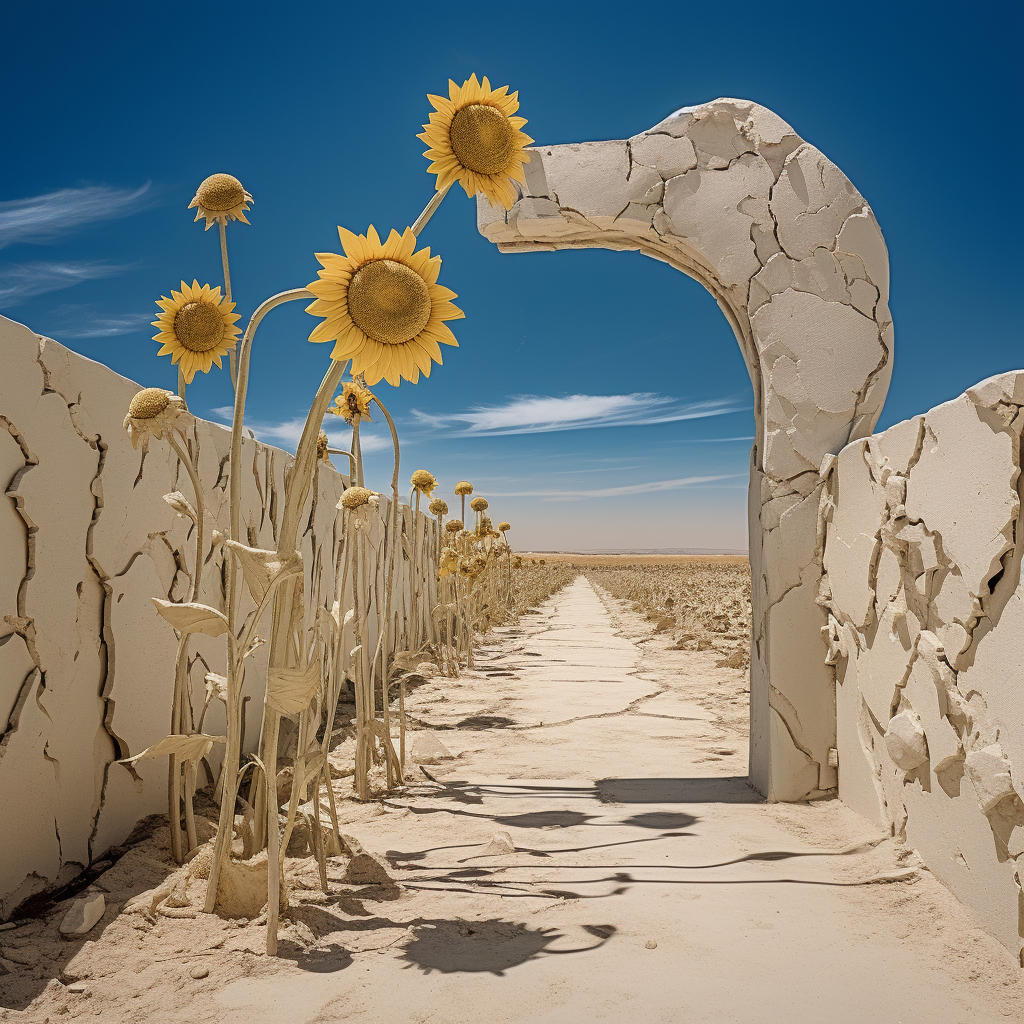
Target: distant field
[(633, 559)]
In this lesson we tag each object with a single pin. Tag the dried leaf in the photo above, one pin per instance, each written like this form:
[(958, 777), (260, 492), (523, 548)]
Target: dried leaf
[(257, 643), (290, 690), (188, 747), (188, 617), (181, 505), (262, 568), (216, 686)]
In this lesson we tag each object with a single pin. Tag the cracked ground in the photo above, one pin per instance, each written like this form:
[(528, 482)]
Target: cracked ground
[(589, 851)]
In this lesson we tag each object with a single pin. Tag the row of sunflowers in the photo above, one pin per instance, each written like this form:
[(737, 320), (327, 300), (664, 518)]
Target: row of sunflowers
[(413, 589)]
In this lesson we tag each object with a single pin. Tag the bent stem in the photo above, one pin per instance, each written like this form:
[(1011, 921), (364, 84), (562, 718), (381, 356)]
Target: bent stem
[(235, 667)]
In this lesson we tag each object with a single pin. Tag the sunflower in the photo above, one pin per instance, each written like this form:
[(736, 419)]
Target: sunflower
[(423, 480), (383, 306), (221, 198), (353, 401), (463, 487), (355, 497), (439, 507), (478, 504), (475, 140), (453, 525), (322, 443), (197, 328), (152, 412), (503, 527)]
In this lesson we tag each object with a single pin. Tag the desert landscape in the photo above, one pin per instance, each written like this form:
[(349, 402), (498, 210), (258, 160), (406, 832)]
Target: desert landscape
[(618, 635), (576, 833)]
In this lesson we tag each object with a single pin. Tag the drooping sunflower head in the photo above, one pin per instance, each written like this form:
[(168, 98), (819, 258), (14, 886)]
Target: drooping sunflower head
[(463, 487), (221, 198), (478, 504), (453, 525), (355, 497), (474, 139), (353, 401), (424, 481), (502, 527), (382, 306), (438, 507), (322, 444), (152, 412), (197, 328)]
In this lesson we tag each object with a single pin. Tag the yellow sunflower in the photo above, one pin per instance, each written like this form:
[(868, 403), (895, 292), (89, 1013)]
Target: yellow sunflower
[(475, 140), (353, 401), (383, 307), (221, 198), (197, 328)]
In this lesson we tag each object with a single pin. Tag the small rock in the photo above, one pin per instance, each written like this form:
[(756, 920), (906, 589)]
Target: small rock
[(427, 669), (83, 915), (650, 944), (500, 845), (78, 987), (989, 770), (905, 741), (428, 749), (364, 868), (199, 972)]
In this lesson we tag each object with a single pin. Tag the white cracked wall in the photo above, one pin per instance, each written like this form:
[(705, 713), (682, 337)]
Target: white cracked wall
[(924, 538), (86, 664)]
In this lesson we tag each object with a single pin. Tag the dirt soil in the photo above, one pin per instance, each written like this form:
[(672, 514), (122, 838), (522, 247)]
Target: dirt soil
[(587, 850)]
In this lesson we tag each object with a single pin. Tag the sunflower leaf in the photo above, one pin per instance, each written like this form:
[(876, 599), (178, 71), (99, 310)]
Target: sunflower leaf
[(189, 617), (262, 569), (188, 747), (290, 690)]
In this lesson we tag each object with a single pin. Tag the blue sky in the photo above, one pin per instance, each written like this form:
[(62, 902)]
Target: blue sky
[(114, 113)]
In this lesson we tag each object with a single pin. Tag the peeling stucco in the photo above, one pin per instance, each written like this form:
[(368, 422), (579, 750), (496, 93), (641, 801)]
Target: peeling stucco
[(922, 584)]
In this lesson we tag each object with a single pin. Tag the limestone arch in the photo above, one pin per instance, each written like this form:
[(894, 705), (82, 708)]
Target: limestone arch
[(730, 195)]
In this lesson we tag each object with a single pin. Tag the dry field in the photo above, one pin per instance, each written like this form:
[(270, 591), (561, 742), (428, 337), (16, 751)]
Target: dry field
[(703, 601)]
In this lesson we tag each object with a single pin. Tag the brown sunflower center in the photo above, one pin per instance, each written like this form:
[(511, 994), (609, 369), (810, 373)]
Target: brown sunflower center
[(220, 193), (388, 301), (199, 326), (148, 403), (482, 138)]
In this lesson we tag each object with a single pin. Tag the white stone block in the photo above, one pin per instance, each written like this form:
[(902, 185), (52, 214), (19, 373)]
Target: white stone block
[(83, 915)]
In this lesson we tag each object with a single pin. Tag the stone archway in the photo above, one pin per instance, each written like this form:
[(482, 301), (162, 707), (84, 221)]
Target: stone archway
[(730, 195)]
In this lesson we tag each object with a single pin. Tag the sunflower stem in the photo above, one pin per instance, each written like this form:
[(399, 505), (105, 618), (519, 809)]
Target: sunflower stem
[(430, 209), (227, 288), (235, 667)]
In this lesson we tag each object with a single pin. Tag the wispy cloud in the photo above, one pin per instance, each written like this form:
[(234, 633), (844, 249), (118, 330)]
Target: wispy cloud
[(23, 280), (80, 320), (286, 433), (39, 218), (535, 414), (614, 492)]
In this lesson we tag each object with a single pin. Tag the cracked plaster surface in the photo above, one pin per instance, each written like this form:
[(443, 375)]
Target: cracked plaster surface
[(86, 664), (924, 538), (729, 194)]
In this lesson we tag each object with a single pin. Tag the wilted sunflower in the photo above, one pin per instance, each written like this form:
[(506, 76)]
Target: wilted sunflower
[(463, 487), (152, 412), (424, 481), (475, 140), (504, 526), (355, 497), (322, 443), (221, 198), (478, 504), (383, 307), (449, 562), (453, 525), (353, 401), (438, 507), (197, 328)]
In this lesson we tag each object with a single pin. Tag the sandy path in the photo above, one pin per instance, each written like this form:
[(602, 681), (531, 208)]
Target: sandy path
[(648, 883)]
